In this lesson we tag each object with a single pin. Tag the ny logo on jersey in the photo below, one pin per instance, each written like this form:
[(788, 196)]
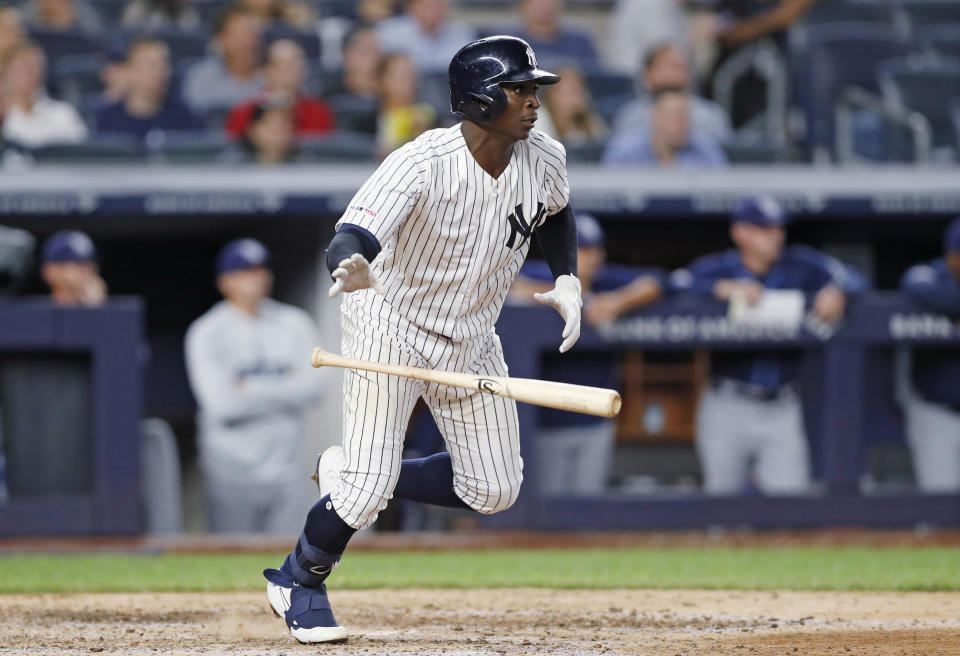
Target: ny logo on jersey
[(519, 225)]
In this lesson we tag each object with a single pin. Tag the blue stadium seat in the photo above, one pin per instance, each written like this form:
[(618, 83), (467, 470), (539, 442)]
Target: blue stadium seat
[(850, 11), (57, 44), (339, 146), (840, 56), (108, 148), (924, 13), (75, 77), (942, 40), (610, 90), (927, 86), (184, 45), (188, 147)]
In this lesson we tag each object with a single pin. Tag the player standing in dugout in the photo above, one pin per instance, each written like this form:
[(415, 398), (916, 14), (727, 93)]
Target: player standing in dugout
[(425, 255)]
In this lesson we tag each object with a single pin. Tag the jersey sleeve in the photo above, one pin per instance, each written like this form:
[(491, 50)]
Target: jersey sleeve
[(388, 196), (924, 285), (554, 157)]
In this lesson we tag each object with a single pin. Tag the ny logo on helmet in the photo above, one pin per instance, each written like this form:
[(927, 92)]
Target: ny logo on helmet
[(519, 225), (531, 58)]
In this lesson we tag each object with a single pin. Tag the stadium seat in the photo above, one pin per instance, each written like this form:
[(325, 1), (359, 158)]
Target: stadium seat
[(840, 56), (107, 148), (57, 44), (927, 86), (189, 147), (924, 13), (339, 146), (941, 40), (75, 77), (751, 149), (850, 11), (610, 90)]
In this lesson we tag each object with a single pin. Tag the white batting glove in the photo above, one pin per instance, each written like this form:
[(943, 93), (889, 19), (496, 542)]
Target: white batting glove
[(565, 298), (352, 274)]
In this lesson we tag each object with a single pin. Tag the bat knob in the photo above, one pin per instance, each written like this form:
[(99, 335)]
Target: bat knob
[(317, 358)]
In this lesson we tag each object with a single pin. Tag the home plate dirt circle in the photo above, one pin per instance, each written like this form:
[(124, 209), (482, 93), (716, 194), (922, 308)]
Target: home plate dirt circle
[(481, 621)]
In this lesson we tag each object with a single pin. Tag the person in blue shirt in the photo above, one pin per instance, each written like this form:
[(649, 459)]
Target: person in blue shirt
[(556, 44), (148, 105), (751, 412), (933, 407), (574, 451), (668, 139)]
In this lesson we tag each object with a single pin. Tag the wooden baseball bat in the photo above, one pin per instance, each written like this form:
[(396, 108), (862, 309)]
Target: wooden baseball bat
[(563, 396)]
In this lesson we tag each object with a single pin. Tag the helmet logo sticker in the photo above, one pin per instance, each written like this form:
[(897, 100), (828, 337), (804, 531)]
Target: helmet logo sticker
[(532, 58)]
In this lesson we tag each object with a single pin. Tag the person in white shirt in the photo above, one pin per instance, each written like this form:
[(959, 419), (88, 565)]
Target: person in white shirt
[(424, 33), (248, 360), (30, 117)]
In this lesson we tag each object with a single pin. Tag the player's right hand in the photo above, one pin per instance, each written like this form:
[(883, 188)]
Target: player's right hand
[(565, 298), (352, 274)]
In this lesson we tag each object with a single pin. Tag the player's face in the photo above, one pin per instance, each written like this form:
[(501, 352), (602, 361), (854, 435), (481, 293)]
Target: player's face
[(518, 118), (953, 263), (759, 242), (247, 286)]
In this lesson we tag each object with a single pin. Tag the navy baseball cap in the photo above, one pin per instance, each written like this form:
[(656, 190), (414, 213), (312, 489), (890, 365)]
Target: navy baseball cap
[(242, 254), (589, 232), (951, 238), (764, 211), (69, 246)]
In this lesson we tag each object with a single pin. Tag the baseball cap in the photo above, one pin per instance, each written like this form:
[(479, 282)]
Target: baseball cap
[(589, 232), (761, 210), (69, 246), (241, 254), (951, 238)]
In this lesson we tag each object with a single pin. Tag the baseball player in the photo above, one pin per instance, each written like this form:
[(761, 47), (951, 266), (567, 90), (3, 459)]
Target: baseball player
[(751, 412), (574, 451), (424, 256), (246, 368), (933, 407)]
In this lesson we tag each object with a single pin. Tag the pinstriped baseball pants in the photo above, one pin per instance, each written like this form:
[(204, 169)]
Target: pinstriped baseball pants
[(480, 430)]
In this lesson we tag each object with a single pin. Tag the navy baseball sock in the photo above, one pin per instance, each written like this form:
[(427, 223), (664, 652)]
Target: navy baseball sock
[(325, 530), (428, 480)]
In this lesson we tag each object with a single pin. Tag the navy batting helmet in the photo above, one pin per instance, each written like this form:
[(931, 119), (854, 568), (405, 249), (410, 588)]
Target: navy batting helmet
[(479, 68)]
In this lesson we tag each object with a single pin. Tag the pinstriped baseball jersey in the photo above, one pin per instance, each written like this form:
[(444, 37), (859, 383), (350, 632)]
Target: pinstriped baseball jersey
[(453, 237)]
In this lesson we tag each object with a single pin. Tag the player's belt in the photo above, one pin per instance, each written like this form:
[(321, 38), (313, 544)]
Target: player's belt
[(753, 391)]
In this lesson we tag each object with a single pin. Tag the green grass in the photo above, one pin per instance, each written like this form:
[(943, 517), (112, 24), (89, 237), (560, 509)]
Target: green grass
[(808, 568)]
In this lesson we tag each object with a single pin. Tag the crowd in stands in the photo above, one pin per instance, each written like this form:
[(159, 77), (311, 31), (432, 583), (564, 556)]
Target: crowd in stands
[(665, 83)]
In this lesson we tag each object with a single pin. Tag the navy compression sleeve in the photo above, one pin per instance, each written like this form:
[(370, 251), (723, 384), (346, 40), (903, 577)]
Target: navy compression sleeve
[(557, 237), (351, 239)]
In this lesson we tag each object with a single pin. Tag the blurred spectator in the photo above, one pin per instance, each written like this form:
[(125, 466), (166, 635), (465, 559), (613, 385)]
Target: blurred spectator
[(355, 93), (232, 74), (933, 407), (70, 269), (570, 109), (149, 15), (31, 118), (282, 84), (665, 66), (374, 11), (738, 24), (62, 16), (424, 33), (293, 13), (269, 137), (751, 412), (556, 45), (148, 104), (667, 140), (573, 450), (248, 365), (402, 118), (11, 31), (637, 25), (114, 74)]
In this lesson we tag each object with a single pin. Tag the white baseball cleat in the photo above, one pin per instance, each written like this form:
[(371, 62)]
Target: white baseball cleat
[(330, 466)]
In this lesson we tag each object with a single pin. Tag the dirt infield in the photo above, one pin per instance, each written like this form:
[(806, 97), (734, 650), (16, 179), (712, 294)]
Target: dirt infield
[(481, 622)]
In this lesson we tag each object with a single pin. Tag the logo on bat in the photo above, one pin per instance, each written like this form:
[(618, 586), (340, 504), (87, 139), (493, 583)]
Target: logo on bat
[(488, 385)]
